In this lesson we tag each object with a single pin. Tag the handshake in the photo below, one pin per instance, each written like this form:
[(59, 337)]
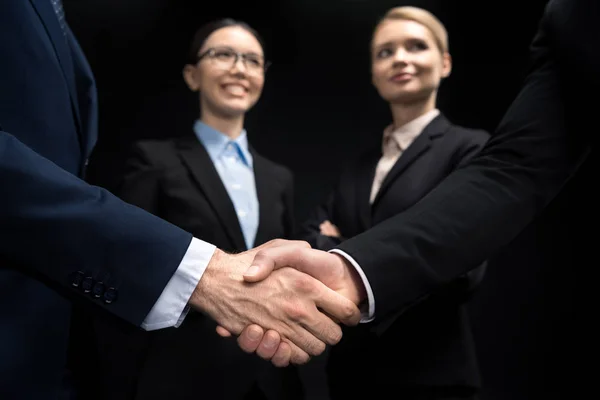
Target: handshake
[(283, 300)]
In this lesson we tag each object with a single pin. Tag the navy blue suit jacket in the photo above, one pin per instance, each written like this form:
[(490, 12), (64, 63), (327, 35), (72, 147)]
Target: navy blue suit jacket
[(61, 240)]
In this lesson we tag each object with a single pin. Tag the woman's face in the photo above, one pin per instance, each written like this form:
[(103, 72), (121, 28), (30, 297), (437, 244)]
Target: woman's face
[(230, 75), (407, 65)]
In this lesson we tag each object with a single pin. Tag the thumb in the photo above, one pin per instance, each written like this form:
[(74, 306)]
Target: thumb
[(300, 258), (261, 267)]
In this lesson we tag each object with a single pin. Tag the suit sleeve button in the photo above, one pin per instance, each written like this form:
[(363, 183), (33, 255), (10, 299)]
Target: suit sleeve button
[(110, 295)]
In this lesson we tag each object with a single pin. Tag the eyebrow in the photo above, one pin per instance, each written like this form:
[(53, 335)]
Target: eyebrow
[(392, 43), (232, 49), (386, 44)]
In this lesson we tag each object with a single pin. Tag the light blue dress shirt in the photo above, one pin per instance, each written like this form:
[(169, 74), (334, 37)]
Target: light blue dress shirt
[(234, 163)]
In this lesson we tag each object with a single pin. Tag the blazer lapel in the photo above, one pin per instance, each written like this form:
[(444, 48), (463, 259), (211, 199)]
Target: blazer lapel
[(264, 177), (61, 48), (209, 182), (364, 183), (419, 146)]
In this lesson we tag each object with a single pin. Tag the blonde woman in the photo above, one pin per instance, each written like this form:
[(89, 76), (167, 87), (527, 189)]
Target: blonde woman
[(426, 352)]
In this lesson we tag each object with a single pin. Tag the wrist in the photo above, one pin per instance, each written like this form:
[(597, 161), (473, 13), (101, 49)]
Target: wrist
[(355, 289), (201, 295)]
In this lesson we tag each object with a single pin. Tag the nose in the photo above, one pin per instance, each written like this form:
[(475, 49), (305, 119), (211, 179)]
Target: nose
[(239, 64), (400, 56)]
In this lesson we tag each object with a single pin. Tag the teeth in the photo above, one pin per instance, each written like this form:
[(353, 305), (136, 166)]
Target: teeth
[(236, 90)]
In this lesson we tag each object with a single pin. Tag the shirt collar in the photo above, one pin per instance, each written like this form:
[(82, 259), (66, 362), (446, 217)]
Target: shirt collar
[(404, 135), (215, 142)]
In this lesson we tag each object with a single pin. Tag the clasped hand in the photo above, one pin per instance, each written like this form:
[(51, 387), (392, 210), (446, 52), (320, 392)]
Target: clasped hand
[(283, 299)]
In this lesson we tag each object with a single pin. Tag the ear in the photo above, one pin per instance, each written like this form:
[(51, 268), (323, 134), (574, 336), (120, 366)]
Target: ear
[(189, 72), (446, 65)]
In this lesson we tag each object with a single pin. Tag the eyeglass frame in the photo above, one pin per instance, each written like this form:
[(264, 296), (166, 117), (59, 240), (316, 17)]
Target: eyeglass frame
[(238, 55)]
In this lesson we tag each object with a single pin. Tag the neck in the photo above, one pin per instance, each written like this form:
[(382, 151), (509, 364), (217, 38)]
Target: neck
[(232, 127), (403, 113)]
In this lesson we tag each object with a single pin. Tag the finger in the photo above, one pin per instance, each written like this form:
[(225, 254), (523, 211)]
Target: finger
[(283, 355), (322, 327), (282, 242), (310, 261), (298, 356), (250, 338), (304, 339), (266, 261), (268, 345), (336, 305), (223, 332)]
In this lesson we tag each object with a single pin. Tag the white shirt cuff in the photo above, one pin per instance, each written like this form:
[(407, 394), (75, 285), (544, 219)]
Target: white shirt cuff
[(368, 312), (171, 307)]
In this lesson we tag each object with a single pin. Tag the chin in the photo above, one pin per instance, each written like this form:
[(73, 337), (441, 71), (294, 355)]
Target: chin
[(407, 97), (234, 110)]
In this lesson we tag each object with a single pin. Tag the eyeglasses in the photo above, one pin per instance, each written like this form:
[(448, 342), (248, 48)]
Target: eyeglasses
[(225, 58)]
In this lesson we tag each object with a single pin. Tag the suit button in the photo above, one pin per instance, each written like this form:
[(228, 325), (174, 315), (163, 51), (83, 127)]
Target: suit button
[(87, 284), (98, 290), (110, 295), (77, 278), (87, 162)]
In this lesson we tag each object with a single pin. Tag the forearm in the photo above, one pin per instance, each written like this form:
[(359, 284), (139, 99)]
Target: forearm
[(61, 229)]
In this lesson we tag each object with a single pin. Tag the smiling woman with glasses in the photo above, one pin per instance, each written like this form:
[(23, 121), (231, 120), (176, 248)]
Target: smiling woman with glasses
[(213, 184)]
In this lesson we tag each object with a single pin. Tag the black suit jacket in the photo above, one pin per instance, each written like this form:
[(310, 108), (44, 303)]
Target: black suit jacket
[(57, 234), (433, 332), (176, 180), (543, 138)]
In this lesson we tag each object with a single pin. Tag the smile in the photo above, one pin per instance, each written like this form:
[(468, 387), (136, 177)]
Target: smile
[(235, 89)]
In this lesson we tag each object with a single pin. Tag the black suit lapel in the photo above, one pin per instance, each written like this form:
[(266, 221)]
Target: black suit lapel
[(198, 161), (419, 146), (364, 182), (264, 177), (49, 19)]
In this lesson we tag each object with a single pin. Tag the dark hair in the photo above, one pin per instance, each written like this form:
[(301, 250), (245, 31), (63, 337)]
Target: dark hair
[(206, 30)]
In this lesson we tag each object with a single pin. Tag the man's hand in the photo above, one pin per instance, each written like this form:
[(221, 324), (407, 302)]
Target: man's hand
[(288, 302), (329, 268)]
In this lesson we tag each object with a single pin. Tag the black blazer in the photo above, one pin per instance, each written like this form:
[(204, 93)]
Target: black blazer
[(545, 136), (176, 180), (432, 345)]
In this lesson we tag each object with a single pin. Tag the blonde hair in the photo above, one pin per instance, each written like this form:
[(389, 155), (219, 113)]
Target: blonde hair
[(422, 17)]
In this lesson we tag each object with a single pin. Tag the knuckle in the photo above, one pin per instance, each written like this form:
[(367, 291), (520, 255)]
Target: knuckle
[(335, 335), (295, 311), (316, 347), (348, 312), (304, 284), (300, 358), (304, 244)]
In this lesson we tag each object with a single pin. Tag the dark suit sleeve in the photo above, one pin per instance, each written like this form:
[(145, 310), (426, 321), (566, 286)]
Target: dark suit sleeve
[(141, 181), (480, 207), (54, 225), (311, 231), (471, 147)]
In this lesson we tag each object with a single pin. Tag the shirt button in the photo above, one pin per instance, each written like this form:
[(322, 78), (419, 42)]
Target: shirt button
[(236, 186), (242, 213)]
